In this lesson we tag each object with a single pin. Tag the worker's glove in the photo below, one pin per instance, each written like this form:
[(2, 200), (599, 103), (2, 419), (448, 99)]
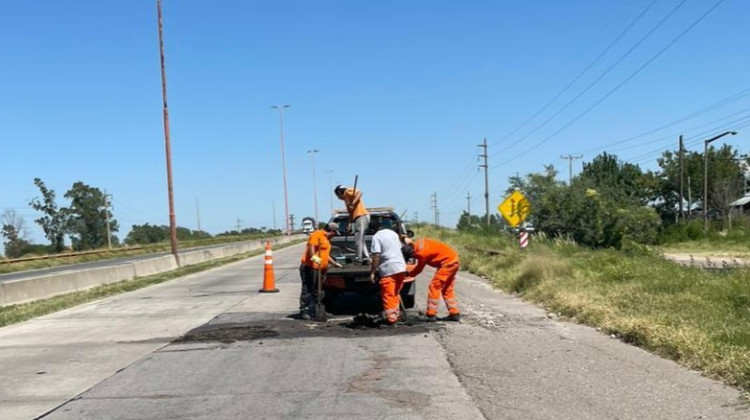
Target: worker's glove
[(316, 259)]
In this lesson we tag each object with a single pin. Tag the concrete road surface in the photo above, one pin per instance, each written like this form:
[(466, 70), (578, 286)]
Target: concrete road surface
[(208, 346)]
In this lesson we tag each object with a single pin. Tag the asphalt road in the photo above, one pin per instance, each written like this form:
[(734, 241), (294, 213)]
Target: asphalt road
[(208, 346)]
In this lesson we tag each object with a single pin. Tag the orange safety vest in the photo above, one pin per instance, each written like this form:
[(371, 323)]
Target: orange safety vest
[(433, 253), (317, 244), (359, 209)]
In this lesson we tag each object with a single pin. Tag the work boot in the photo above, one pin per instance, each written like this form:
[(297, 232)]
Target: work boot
[(428, 318), (305, 316), (454, 318), (388, 326)]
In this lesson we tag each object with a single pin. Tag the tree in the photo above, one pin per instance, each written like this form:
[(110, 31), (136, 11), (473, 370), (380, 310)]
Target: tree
[(15, 234), (147, 234), (54, 220), (87, 217)]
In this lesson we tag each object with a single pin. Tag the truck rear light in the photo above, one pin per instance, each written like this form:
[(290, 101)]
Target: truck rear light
[(335, 282)]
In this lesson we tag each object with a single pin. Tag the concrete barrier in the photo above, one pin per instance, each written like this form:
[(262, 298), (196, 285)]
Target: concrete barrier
[(46, 286)]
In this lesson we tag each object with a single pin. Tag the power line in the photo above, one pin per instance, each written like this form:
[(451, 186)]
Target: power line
[(580, 74), (717, 105), (606, 72), (621, 84)]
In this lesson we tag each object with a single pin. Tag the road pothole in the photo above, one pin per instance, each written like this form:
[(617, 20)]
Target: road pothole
[(228, 334)]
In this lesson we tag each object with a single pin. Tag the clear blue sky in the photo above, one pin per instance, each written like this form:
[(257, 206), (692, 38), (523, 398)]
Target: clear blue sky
[(398, 92)]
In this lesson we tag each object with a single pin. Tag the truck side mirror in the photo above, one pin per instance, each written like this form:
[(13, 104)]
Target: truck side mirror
[(409, 233)]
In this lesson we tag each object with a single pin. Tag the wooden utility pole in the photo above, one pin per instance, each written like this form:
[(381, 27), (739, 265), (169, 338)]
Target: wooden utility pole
[(486, 181), (681, 216), (570, 159), (106, 214), (167, 144)]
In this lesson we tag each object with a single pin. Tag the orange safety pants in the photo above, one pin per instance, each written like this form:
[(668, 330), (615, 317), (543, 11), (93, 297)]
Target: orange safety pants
[(390, 288), (442, 285)]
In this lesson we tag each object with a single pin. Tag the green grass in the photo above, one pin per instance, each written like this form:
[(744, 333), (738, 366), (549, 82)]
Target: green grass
[(12, 314), (699, 318), (121, 253)]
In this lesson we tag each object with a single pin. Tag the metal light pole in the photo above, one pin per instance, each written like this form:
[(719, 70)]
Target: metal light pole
[(312, 153), (167, 146), (330, 189), (283, 163), (705, 175)]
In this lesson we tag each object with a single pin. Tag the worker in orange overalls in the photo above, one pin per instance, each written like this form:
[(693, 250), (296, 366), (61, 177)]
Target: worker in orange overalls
[(317, 256), (436, 254), (359, 216), (388, 262)]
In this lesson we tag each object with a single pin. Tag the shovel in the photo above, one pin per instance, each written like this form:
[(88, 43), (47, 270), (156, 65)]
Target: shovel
[(320, 309)]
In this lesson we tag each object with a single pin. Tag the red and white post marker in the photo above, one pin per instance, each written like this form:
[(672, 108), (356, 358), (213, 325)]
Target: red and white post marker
[(523, 239)]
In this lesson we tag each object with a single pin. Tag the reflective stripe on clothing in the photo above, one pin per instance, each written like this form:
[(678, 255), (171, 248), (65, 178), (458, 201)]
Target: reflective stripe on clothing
[(443, 285), (390, 288)]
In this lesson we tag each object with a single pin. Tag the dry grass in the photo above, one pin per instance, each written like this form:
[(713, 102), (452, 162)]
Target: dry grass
[(698, 318)]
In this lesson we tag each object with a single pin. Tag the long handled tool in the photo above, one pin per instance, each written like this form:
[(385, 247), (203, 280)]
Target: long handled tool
[(351, 222), (320, 308)]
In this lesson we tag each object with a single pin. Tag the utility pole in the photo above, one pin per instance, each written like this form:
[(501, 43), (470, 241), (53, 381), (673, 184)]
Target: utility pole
[(106, 214), (690, 199), (239, 225), (198, 213), (273, 206), (486, 181), (434, 207), (416, 217), (167, 144), (312, 153), (570, 159), (330, 189), (281, 109), (681, 216), (468, 205)]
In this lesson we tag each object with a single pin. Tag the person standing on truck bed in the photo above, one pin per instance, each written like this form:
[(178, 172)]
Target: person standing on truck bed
[(358, 215), (389, 262), (317, 256), (436, 254)]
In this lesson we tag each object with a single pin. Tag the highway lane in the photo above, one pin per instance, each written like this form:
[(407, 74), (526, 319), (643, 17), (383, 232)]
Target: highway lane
[(128, 357), (96, 264)]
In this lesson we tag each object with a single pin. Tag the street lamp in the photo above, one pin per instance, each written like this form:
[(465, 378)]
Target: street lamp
[(330, 189), (283, 163), (312, 153), (705, 175)]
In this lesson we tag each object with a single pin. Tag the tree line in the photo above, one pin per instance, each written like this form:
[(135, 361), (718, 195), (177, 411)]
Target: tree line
[(612, 202), (87, 222)]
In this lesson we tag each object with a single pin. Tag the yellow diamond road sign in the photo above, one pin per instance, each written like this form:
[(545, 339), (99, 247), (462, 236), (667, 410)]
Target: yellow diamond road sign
[(514, 209)]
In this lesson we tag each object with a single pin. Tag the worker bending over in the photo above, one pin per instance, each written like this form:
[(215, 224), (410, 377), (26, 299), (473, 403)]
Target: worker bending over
[(317, 256), (389, 262), (436, 254)]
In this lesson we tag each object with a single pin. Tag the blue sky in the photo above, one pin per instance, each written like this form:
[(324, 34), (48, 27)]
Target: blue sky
[(398, 92)]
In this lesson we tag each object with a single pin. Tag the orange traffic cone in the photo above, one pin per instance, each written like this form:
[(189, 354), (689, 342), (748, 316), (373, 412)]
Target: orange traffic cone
[(268, 277)]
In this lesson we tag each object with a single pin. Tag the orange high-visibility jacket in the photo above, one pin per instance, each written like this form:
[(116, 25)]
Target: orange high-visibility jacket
[(433, 253), (317, 244), (359, 209)]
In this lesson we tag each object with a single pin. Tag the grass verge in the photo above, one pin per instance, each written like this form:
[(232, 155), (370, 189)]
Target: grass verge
[(12, 314), (699, 318)]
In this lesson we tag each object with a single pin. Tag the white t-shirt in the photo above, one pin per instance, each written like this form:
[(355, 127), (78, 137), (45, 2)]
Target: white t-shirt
[(386, 243)]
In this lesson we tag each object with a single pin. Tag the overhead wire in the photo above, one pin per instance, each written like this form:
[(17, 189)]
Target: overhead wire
[(710, 108), (580, 74), (618, 86), (603, 74)]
